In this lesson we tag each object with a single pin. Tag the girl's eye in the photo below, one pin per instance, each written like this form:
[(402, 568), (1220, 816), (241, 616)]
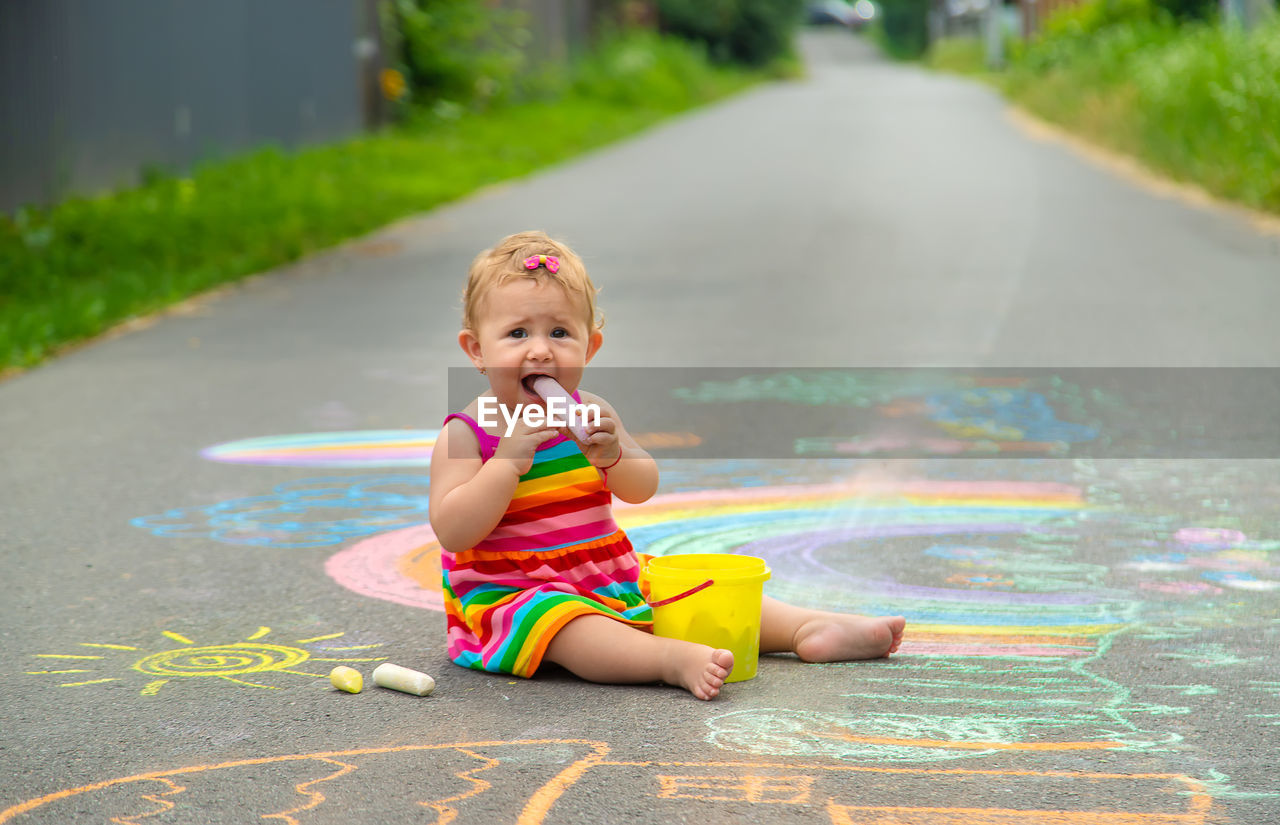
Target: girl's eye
[(517, 333), (559, 332)]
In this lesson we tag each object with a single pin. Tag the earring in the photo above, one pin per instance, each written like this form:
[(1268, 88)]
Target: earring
[(483, 372)]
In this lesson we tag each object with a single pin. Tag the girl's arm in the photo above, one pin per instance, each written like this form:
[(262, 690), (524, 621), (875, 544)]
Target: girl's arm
[(634, 478), (468, 496)]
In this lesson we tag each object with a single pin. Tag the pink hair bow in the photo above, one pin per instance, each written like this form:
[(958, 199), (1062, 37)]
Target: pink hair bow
[(551, 262)]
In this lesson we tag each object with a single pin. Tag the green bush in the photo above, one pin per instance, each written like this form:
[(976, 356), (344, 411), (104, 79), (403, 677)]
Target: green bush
[(962, 55), (458, 51), (645, 69), (1094, 15), (1192, 10), (1094, 41), (1210, 104), (751, 32), (1198, 102), (902, 27)]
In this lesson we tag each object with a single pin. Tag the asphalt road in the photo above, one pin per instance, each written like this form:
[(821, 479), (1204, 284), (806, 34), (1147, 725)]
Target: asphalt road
[(201, 517)]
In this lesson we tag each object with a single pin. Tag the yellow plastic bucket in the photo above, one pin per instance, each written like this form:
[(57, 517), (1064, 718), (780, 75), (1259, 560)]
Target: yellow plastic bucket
[(712, 599)]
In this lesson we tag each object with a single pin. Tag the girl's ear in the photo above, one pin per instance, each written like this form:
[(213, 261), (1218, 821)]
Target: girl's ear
[(593, 344), (471, 346)]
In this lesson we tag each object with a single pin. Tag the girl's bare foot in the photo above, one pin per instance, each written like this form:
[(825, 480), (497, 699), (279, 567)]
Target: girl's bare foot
[(700, 670), (843, 637)]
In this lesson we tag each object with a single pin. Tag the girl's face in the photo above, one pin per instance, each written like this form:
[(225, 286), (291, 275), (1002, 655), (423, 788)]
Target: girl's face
[(530, 327)]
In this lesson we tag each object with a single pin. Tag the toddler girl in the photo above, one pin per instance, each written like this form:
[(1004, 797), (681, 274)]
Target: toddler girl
[(535, 569)]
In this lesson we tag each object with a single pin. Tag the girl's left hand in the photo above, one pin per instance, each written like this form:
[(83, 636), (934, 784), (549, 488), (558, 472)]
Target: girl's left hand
[(601, 446)]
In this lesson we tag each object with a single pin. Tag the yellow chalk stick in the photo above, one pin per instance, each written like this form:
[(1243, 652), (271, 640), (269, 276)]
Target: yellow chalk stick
[(346, 678), (403, 679)]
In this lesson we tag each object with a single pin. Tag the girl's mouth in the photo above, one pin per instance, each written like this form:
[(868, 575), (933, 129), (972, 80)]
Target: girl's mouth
[(528, 381)]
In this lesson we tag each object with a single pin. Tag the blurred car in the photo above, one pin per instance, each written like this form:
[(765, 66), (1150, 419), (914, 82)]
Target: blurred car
[(840, 13)]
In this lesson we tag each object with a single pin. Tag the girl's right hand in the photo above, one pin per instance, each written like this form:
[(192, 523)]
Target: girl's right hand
[(523, 442)]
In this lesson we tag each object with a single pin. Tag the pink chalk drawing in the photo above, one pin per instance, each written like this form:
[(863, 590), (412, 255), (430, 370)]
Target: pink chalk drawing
[(1209, 537), (1220, 557), (1182, 588), (402, 566)]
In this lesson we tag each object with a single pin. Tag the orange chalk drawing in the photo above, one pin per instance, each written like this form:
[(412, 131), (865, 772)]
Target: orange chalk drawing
[(835, 792), (769, 784), (791, 790), (659, 441), (314, 798), (534, 812), (446, 813), (855, 815), (164, 804)]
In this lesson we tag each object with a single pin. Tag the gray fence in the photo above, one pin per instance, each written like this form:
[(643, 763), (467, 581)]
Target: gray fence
[(95, 92)]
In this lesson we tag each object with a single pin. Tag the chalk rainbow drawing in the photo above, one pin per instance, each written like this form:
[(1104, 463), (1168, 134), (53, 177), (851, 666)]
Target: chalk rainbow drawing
[(352, 448), (792, 527), (370, 448), (230, 662)]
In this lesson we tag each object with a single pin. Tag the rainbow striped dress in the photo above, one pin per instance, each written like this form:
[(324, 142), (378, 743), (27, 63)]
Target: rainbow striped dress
[(555, 555)]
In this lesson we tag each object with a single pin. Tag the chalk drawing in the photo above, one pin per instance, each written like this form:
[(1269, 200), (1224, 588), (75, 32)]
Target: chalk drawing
[(1187, 589), (884, 796), (352, 448), (817, 387), (372, 448), (754, 789), (1003, 414), (965, 414), (402, 566), (841, 546), (1219, 786), (453, 780), (1012, 590), (315, 512), (1213, 655), (319, 512), (989, 574), (790, 526), (895, 737), (449, 778), (1187, 690), (230, 662), (1220, 557), (953, 708)]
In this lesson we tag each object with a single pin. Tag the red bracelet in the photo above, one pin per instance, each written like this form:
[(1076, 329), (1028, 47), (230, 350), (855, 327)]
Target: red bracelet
[(611, 466)]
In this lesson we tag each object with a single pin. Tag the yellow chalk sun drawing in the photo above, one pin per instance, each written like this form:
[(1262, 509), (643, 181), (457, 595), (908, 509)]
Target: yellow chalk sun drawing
[(230, 662)]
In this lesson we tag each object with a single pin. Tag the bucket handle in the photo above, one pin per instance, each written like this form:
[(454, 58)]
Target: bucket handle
[(683, 595)]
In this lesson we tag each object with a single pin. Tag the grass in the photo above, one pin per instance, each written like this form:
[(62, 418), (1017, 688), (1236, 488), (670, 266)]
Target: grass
[(71, 271), (1197, 102), (958, 55)]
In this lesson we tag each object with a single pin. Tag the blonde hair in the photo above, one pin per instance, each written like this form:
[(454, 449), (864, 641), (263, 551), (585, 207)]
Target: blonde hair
[(494, 267)]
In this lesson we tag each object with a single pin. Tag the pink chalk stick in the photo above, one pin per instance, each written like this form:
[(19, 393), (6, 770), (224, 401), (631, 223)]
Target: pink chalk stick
[(548, 388)]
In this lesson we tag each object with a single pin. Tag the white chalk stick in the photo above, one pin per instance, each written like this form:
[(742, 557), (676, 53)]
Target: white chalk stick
[(403, 679), (346, 679), (548, 388)]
